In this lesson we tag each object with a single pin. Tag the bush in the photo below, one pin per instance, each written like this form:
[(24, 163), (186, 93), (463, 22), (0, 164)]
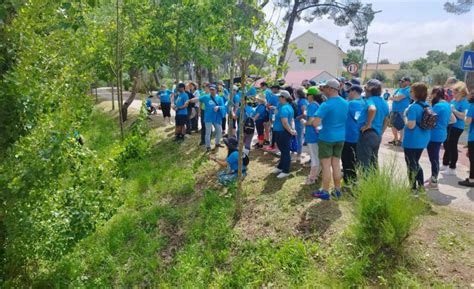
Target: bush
[(413, 73), (380, 75), (439, 74), (385, 214)]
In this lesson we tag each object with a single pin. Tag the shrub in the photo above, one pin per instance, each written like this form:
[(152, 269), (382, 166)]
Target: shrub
[(439, 74), (379, 75)]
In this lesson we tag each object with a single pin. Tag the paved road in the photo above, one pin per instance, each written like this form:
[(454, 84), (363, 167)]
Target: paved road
[(449, 192)]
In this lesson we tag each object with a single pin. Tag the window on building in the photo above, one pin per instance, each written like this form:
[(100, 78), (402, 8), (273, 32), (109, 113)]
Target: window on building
[(310, 46), (312, 60)]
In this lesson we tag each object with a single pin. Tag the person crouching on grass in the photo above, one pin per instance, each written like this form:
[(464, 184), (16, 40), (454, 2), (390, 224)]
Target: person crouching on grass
[(180, 106), (230, 163)]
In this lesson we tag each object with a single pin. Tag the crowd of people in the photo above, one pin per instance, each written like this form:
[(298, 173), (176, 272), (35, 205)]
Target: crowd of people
[(341, 122)]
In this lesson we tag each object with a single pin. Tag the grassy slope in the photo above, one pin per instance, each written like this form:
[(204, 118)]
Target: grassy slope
[(175, 229)]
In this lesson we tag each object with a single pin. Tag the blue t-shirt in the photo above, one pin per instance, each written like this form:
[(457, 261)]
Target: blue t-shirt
[(461, 106), (272, 100), (252, 91), (236, 99), (180, 101), (233, 161), (165, 96), (381, 113), (209, 114), (333, 115), (311, 136), (300, 103), (148, 102), (400, 106), (440, 132), (352, 126), (261, 110), (249, 111), (470, 113), (386, 96), (416, 138), (284, 111)]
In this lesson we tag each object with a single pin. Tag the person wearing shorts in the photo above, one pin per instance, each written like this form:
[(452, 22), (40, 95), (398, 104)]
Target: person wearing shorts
[(330, 120), (401, 100), (165, 103)]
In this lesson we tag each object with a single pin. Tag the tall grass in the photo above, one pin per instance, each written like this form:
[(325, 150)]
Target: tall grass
[(385, 214)]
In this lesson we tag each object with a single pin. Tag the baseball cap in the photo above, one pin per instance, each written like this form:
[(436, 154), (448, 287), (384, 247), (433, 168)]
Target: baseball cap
[(405, 78), (277, 86), (356, 88), (221, 82), (341, 79), (231, 142), (181, 85), (312, 83), (313, 90), (285, 94), (333, 83), (212, 86)]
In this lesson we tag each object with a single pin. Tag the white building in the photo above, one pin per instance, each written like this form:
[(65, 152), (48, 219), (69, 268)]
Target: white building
[(319, 54)]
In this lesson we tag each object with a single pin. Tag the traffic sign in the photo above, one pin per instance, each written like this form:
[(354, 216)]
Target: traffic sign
[(467, 61), (353, 68)]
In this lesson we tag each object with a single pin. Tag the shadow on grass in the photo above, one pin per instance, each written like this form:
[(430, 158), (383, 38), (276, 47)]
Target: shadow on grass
[(317, 219)]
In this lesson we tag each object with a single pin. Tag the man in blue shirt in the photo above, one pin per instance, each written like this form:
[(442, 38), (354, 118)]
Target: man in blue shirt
[(330, 120), (180, 106), (266, 122), (373, 121), (400, 101), (272, 105), (352, 133), (165, 103)]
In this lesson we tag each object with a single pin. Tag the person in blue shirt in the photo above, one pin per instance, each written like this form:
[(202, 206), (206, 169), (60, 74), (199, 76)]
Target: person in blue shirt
[(224, 93), (439, 134), (331, 122), (261, 115), (180, 106), (348, 156), (151, 109), (311, 135), (267, 92), (386, 95), (249, 113), (469, 182), (202, 108), (282, 132), (231, 163), (272, 104), (416, 139), (214, 107), (459, 106), (373, 121), (400, 101), (301, 104), (164, 95)]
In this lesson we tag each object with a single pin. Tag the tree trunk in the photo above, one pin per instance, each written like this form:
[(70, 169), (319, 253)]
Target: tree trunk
[(210, 75), (113, 100), (199, 74), (238, 193), (133, 93), (231, 85), (96, 95), (286, 42), (156, 77)]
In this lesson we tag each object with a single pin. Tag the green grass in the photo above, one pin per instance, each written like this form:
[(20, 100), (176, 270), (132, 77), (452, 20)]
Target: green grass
[(176, 230)]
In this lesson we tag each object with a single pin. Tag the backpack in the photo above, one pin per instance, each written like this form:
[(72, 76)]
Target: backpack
[(249, 125), (245, 160), (429, 118), (295, 109)]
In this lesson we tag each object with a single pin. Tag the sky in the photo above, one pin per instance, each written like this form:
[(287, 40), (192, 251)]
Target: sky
[(411, 29)]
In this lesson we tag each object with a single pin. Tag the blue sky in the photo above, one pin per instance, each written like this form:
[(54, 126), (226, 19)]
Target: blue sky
[(411, 28)]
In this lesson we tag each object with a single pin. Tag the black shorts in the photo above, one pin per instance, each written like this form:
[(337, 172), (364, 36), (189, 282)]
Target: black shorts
[(166, 109), (181, 120), (260, 127)]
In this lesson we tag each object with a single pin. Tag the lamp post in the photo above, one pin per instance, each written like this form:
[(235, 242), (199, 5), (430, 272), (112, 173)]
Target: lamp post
[(378, 55)]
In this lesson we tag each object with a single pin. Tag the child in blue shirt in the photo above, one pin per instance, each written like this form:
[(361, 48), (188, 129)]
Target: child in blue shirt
[(261, 116), (231, 163)]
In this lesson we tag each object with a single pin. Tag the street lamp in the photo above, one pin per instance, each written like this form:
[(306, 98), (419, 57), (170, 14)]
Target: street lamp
[(378, 55)]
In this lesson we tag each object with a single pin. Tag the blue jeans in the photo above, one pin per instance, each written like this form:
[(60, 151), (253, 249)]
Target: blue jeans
[(415, 172), (367, 149), (433, 153), (218, 128), (282, 139), (299, 138)]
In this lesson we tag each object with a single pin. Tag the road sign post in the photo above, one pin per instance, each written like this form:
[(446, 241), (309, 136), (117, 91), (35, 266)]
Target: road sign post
[(467, 61)]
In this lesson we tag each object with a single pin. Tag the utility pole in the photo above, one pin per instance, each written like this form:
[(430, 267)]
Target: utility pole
[(363, 49), (378, 55)]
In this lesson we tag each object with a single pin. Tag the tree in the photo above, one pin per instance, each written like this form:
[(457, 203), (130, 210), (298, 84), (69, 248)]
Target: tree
[(404, 65), (436, 56), (413, 73), (439, 74), (379, 74), (384, 61), (343, 13), (353, 56), (422, 64), (459, 7)]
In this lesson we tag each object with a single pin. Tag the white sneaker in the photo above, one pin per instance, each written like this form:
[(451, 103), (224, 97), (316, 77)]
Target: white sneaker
[(276, 171), (443, 168), (282, 175), (450, 172), (278, 154)]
